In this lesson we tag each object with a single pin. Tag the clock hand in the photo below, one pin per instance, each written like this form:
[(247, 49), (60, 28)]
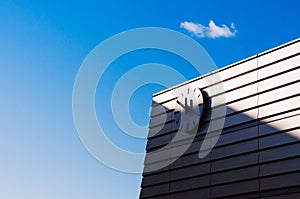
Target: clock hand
[(186, 107), (181, 104)]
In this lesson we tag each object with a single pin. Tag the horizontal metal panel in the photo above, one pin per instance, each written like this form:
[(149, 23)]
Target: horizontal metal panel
[(230, 121), (162, 108), (284, 196), (280, 106), (279, 80), (278, 54), (281, 116), (235, 188), (244, 104), (156, 179), (278, 167), (234, 83), (240, 196), (158, 141), (215, 113), (151, 169), (236, 136), (241, 126), (190, 183), (157, 155), (235, 175), (168, 139), (239, 106), (160, 130), (280, 153), (280, 93), (185, 145), (155, 190), (235, 149), (279, 67), (280, 191), (193, 146), (220, 112), (281, 125), (163, 97), (190, 171), (238, 69), (188, 160), (161, 119), (274, 182), (166, 196), (217, 100), (241, 118), (203, 193), (278, 139), (235, 162), (227, 130), (186, 148), (241, 93)]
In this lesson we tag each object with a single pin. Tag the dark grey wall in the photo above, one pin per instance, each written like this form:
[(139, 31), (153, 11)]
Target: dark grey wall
[(258, 153)]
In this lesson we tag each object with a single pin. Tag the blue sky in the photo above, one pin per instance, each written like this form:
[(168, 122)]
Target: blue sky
[(42, 45)]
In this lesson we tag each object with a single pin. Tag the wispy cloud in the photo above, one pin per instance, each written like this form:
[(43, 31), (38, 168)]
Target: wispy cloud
[(210, 31)]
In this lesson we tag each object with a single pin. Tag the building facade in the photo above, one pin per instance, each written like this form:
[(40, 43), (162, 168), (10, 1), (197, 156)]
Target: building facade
[(255, 153)]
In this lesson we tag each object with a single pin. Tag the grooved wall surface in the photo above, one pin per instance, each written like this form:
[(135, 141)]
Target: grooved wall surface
[(258, 152)]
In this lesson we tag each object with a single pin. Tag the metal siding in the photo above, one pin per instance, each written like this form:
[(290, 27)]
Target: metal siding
[(258, 153)]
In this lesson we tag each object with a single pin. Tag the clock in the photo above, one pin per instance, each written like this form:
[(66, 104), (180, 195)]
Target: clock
[(189, 108)]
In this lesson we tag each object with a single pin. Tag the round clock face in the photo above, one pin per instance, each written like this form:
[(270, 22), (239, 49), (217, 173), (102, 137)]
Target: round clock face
[(190, 104)]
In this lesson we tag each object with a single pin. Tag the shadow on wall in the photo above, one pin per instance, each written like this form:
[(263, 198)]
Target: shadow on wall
[(256, 156)]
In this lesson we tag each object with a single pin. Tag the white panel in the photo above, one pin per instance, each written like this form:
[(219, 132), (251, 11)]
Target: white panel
[(277, 117), (295, 133), (164, 97), (241, 93), (218, 100), (235, 107), (238, 69), (234, 95), (280, 93), (279, 54), (279, 80), (280, 106), (283, 124), (244, 104), (206, 81), (228, 72), (279, 67), (235, 82)]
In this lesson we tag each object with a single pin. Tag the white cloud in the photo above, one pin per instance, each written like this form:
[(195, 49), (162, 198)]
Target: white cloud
[(210, 31)]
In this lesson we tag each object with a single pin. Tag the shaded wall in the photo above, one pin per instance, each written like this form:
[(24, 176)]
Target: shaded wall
[(258, 153)]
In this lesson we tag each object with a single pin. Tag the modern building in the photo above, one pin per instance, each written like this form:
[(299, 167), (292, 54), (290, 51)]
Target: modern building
[(241, 132)]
